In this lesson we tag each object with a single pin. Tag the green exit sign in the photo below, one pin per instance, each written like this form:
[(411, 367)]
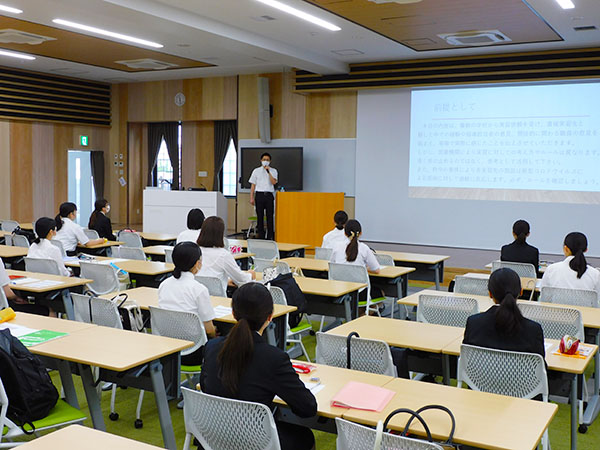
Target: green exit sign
[(84, 140)]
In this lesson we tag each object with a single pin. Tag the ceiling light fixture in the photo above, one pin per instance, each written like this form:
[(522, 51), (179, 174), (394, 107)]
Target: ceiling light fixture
[(300, 14), (123, 37), (10, 9), (566, 4), (16, 55)]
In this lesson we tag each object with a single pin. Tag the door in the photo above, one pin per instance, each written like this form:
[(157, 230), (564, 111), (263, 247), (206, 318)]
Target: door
[(81, 186)]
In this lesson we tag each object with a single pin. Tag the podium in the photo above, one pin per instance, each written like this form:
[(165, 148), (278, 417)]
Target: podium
[(166, 211), (304, 217)]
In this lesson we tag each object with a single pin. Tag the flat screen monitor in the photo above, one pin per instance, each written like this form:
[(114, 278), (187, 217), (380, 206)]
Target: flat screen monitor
[(287, 161)]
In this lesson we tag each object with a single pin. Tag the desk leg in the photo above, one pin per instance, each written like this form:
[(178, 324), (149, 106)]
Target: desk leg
[(68, 304), (593, 407), (66, 379), (574, 410), (436, 268), (446, 369), (164, 415), (91, 395), (271, 338)]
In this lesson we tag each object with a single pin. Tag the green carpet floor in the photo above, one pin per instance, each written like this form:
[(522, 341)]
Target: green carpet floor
[(150, 433)]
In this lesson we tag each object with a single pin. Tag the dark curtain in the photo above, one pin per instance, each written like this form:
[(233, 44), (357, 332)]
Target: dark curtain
[(97, 160), (225, 130), (155, 134), (171, 134)]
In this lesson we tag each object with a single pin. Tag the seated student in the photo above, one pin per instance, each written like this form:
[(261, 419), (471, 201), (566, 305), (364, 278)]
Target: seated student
[(337, 235), (354, 252), (99, 221), (519, 250), (195, 219), (182, 292), (216, 260), (68, 233), (42, 248), (244, 366), (573, 272), (17, 303), (502, 326)]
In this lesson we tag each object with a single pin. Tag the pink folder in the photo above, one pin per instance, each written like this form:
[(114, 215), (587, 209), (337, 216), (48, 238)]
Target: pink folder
[(362, 396)]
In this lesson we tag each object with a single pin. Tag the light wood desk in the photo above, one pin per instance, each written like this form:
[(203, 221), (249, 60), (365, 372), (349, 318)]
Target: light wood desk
[(26, 226), (483, 420), (157, 253), (423, 263), (49, 323), (11, 254), (527, 284), (98, 249), (157, 238), (146, 273), (285, 249), (76, 436)]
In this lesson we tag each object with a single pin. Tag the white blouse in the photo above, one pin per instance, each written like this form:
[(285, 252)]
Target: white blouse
[(188, 236), (218, 262), (333, 238), (561, 275), (45, 250), (70, 235), (365, 256)]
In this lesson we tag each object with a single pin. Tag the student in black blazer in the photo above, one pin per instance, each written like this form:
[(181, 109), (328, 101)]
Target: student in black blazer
[(519, 250), (99, 221), (502, 326), (244, 367)]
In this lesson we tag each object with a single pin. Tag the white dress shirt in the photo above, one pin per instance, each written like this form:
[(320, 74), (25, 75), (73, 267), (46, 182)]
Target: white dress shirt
[(260, 177), (70, 235), (188, 236), (334, 237), (218, 262), (186, 294), (365, 256), (46, 250), (4, 280), (561, 275)]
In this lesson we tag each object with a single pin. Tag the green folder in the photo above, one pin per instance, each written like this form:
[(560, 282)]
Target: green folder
[(39, 337)]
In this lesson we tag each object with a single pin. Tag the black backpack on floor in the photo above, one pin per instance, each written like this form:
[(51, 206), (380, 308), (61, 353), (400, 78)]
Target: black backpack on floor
[(31, 394), (30, 235)]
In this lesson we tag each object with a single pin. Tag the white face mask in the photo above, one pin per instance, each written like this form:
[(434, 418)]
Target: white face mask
[(107, 209), (265, 163)]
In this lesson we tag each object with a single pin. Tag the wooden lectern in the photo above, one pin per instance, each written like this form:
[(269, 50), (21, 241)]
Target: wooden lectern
[(304, 217)]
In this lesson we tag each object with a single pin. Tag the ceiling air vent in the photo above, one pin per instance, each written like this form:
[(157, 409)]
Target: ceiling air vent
[(585, 28), (475, 38), (10, 36), (147, 63)]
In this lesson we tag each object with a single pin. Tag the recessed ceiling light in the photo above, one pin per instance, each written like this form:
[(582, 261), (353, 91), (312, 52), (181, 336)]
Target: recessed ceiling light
[(16, 55), (123, 37), (300, 14), (10, 9), (566, 4)]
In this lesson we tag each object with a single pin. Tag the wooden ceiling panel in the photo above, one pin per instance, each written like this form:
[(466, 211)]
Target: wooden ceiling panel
[(417, 25), (84, 49)]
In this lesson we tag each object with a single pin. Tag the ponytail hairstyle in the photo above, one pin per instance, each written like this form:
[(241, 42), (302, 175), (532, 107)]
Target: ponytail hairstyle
[(43, 227), (577, 243), (521, 230), (251, 306), (185, 256), (352, 230), (98, 205), (64, 210), (340, 218), (505, 286)]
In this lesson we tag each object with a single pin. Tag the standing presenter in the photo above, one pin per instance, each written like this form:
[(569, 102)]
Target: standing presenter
[(262, 195)]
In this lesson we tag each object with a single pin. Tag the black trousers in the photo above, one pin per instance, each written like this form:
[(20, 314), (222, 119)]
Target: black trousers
[(265, 202)]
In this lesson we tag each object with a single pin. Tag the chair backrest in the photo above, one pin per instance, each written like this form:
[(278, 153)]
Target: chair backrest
[(3, 299), (59, 245), (446, 310), (352, 436), (9, 225), (323, 253), (367, 355), (384, 260), (91, 234), (524, 270), (350, 272), (20, 241), (574, 297), (471, 285), (263, 249), (8, 239), (556, 321), (278, 295), (104, 276), (130, 239), (169, 255), (261, 264), (129, 253), (515, 374), (178, 325), (42, 265), (213, 284), (103, 311), (223, 424)]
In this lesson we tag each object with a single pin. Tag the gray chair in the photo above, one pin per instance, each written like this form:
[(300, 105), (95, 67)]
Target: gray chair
[(134, 253), (42, 265), (261, 264), (574, 297), (130, 239), (263, 249), (294, 335), (384, 260), (20, 241), (446, 310), (104, 276), (323, 253), (91, 234), (471, 285), (9, 225), (522, 269), (169, 255), (59, 245), (556, 321), (357, 274), (213, 284)]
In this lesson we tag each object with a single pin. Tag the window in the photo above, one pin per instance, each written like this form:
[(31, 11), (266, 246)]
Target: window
[(230, 171), (164, 169)]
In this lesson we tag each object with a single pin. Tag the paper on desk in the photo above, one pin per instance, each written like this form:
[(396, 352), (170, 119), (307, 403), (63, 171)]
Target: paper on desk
[(222, 311), (114, 261), (314, 386), (39, 337), (25, 280), (362, 396), (548, 346), (582, 352), (68, 259), (44, 284), (16, 330)]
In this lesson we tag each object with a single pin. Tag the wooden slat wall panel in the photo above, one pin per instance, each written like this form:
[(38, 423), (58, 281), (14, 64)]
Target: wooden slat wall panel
[(5, 180), (43, 197), (248, 107), (114, 192), (21, 165), (138, 167), (205, 151)]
